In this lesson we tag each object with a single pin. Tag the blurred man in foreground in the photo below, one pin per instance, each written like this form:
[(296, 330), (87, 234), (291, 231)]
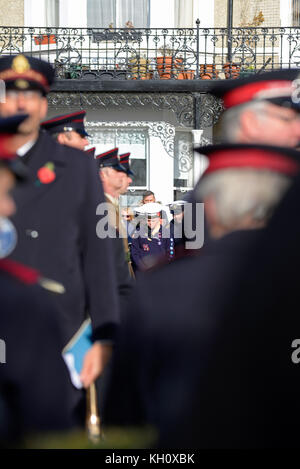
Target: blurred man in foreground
[(34, 384), (261, 109), (176, 314), (57, 220)]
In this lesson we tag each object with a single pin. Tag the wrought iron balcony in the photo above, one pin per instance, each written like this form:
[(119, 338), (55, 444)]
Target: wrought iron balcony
[(152, 54)]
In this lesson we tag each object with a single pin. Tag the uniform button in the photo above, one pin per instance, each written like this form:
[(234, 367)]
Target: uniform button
[(32, 233)]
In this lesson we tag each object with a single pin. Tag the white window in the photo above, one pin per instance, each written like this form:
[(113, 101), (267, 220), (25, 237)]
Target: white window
[(127, 139), (44, 13), (52, 13), (118, 13), (183, 163)]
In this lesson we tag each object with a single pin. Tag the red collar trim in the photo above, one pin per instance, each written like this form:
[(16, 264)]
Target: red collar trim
[(258, 159)]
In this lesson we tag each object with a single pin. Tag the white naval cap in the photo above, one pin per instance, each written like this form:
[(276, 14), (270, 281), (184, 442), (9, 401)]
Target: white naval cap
[(152, 208)]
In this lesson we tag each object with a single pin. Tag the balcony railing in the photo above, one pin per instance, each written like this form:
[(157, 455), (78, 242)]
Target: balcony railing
[(140, 54)]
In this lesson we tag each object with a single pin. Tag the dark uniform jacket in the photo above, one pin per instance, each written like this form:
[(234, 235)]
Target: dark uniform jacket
[(34, 382), (56, 224), (175, 318), (148, 249)]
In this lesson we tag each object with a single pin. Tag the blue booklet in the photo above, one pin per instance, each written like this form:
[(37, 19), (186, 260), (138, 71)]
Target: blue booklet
[(74, 352)]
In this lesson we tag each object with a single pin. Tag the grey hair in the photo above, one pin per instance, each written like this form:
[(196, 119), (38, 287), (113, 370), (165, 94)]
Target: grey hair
[(231, 119), (240, 192)]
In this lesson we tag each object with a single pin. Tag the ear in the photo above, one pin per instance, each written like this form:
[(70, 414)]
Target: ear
[(61, 138), (250, 126), (210, 210), (102, 176), (43, 108)]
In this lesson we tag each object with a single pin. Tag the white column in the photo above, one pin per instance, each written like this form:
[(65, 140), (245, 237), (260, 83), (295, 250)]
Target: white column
[(161, 171)]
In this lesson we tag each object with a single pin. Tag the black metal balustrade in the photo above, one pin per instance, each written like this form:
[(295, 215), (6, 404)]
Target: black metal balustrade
[(152, 54)]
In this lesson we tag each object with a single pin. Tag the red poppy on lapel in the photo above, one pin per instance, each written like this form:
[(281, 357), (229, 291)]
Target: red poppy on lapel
[(46, 173)]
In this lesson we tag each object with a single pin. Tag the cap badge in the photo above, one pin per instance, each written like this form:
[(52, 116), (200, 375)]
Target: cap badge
[(20, 64), (22, 84)]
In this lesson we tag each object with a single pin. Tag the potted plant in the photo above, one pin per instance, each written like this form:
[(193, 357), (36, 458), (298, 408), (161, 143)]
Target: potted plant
[(247, 70), (44, 39), (231, 70), (167, 65), (208, 71), (139, 67)]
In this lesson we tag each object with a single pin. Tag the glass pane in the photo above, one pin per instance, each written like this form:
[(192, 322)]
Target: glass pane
[(127, 139), (52, 13), (183, 159), (101, 13), (133, 13), (132, 199)]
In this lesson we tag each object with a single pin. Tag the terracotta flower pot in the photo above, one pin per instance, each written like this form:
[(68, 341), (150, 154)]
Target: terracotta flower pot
[(208, 71), (189, 75), (45, 39), (165, 76), (167, 64), (206, 76), (164, 64), (231, 70)]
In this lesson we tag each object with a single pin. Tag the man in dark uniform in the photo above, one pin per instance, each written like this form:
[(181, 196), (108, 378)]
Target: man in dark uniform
[(177, 224), (90, 152), (115, 182), (111, 173), (34, 384), (263, 108), (127, 172), (56, 221), (177, 316), (68, 129), (150, 242)]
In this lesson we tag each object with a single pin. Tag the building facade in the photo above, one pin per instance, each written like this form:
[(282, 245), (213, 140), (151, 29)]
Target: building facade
[(111, 59)]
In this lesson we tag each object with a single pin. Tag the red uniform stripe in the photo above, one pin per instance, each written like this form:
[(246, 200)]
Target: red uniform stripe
[(247, 92), (257, 159)]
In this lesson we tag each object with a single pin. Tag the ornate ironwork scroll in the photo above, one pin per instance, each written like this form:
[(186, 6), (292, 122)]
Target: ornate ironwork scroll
[(164, 131), (169, 53), (181, 104)]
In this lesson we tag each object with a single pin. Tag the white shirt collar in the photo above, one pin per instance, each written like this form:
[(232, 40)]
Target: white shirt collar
[(25, 148)]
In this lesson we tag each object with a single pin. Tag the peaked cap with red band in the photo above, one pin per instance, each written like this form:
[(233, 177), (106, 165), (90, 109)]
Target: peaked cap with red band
[(277, 87), (110, 159), (22, 73), (66, 123), (90, 152), (259, 157), (8, 127), (124, 160)]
